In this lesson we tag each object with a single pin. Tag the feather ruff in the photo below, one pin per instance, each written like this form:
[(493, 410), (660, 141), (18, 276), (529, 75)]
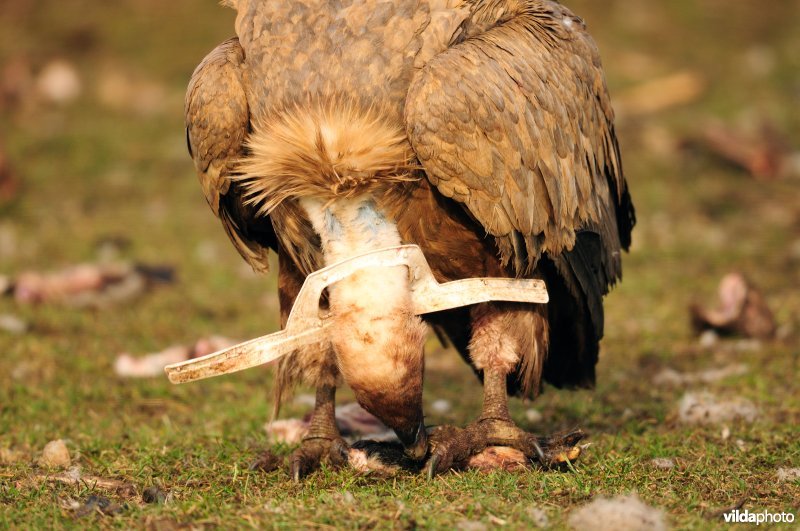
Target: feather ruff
[(324, 151)]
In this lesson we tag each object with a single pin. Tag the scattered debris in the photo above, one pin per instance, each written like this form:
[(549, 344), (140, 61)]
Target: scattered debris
[(788, 474), (499, 457), (55, 455), (622, 513), (59, 82), (762, 151), (12, 324), (741, 311), (89, 285), (660, 94), (152, 365), (539, 517), (471, 525), (663, 463), (705, 408), (671, 377), (155, 495), (73, 476), (98, 504)]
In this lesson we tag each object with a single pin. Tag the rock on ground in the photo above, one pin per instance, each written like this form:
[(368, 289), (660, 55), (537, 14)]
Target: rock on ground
[(622, 513), (55, 455), (705, 408), (663, 463), (788, 474)]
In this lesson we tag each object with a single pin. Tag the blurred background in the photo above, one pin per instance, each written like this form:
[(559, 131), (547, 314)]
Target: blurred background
[(107, 247)]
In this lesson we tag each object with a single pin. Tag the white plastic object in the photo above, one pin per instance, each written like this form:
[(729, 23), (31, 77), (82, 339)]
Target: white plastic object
[(305, 325)]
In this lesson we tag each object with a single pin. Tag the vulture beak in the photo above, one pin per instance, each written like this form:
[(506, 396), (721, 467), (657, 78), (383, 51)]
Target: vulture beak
[(415, 441)]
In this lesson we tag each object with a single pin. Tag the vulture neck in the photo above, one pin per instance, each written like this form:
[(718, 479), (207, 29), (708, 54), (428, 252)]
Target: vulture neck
[(377, 338)]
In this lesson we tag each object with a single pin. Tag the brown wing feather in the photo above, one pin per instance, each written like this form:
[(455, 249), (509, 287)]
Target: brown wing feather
[(217, 122), (515, 122)]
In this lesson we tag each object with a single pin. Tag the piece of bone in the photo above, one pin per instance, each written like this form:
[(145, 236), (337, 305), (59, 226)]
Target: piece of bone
[(761, 151), (741, 311), (88, 285), (152, 365)]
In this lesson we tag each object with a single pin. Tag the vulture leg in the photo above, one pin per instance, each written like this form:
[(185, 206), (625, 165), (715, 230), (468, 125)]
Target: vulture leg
[(313, 365), (505, 339), (323, 441)]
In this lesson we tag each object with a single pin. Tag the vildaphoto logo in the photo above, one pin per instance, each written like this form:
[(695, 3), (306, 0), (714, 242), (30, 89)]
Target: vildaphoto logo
[(764, 517)]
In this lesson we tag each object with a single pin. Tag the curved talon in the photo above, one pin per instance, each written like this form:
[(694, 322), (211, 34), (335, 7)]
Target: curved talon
[(539, 451), (339, 452), (433, 465), (295, 469)]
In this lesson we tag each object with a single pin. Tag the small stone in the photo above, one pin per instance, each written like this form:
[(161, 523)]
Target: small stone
[(619, 513), (788, 474), (55, 454), (441, 406), (726, 433), (12, 324), (705, 408), (539, 517), (664, 463), (708, 339), (154, 495), (59, 82), (101, 504), (534, 416)]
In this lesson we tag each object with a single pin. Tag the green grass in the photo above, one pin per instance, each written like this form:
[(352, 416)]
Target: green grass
[(91, 172)]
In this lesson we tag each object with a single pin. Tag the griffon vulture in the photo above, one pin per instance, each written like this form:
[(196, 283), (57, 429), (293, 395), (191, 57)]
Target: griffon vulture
[(479, 130)]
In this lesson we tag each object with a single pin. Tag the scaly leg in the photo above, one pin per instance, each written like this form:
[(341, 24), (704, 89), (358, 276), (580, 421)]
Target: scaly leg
[(323, 442), (313, 365), (501, 335)]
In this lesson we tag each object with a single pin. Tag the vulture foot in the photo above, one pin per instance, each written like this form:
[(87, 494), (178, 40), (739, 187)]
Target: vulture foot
[(453, 447), (323, 443), (315, 450)]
